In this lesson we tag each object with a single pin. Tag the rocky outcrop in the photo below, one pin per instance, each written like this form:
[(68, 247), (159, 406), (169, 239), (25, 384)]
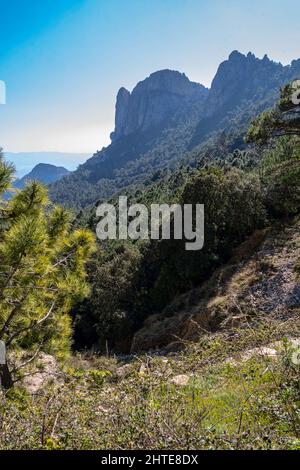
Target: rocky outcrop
[(239, 79), (243, 85), (154, 101), (122, 111), (43, 372), (243, 78)]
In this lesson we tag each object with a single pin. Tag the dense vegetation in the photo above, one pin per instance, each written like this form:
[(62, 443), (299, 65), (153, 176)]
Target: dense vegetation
[(243, 191)]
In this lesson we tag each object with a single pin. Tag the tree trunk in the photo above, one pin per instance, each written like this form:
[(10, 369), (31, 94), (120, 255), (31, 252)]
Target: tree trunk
[(5, 377)]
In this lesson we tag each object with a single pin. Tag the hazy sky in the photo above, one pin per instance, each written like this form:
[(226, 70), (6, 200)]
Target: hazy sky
[(63, 61)]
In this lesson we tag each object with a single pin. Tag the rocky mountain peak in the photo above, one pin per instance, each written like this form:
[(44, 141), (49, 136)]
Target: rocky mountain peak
[(242, 77), (154, 101), (237, 56)]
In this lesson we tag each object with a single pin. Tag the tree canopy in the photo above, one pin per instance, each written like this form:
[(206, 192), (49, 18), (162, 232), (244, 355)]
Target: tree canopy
[(283, 120)]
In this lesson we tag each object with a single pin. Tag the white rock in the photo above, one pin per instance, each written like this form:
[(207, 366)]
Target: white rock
[(181, 380)]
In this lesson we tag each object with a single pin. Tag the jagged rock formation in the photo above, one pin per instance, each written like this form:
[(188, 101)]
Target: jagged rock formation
[(154, 101), (243, 84), (242, 78)]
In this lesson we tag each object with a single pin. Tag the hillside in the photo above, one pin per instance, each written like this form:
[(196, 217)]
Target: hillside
[(234, 387), (166, 121), (259, 281)]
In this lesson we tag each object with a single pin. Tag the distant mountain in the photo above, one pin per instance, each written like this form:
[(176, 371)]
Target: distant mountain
[(43, 172), (167, 118), (25, 161)]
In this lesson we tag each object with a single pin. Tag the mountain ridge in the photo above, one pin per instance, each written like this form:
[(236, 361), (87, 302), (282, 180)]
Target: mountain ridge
[(242, 80), (155, 131)]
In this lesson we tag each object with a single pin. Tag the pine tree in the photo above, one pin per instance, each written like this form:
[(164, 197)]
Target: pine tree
[(42, 270), (283, 120)]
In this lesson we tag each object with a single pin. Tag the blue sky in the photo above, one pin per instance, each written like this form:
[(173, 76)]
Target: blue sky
[(63, 61)]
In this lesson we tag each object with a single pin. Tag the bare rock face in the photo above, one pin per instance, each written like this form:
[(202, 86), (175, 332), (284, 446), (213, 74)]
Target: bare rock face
[(243, 84), (122, 109), (154, 101), (243, 77)]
